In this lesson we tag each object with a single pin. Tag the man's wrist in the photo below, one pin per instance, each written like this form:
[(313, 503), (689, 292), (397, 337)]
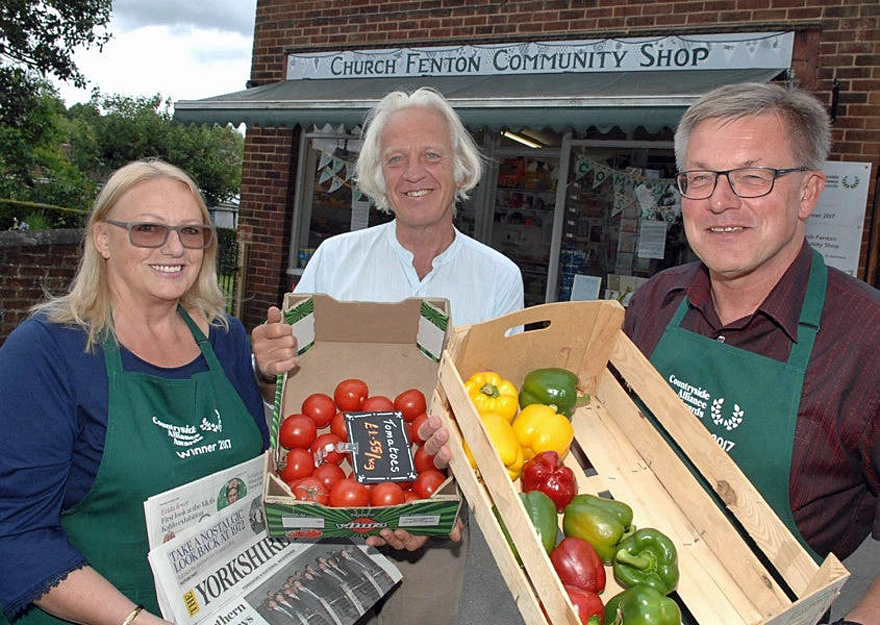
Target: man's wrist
[(262, 377)]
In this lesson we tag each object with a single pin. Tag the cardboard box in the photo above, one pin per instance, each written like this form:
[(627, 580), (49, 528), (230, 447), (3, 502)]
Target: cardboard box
[(725, 578), (391, 347)]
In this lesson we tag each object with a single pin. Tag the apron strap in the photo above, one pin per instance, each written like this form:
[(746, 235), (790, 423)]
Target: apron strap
[(811, 313), (201, 339)]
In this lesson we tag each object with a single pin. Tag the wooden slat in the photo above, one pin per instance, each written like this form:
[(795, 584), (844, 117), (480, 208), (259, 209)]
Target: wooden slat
[(741, 497)]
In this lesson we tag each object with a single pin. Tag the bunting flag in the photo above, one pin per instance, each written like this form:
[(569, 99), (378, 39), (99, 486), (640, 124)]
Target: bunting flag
[(339, 171), (652, 196)]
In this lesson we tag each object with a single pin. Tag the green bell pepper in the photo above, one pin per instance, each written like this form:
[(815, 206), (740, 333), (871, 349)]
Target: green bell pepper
[(601, 522), (551, 387), (647, 557), (642, 605), (543, 517), (542, 513)]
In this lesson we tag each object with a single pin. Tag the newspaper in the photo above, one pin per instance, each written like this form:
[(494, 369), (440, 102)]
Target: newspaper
[(220, 566), (176, 509)]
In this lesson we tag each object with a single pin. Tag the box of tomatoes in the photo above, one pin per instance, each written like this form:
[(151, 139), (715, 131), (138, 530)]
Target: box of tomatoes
[(345, 457), (591, 477)]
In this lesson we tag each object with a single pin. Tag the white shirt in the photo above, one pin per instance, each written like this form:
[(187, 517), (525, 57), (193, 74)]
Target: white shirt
[(371, 265)]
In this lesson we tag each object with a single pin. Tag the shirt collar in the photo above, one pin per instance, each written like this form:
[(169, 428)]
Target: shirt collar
[(782, 305)]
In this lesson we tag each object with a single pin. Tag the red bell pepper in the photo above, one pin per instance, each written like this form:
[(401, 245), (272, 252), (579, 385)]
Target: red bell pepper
[(587, 604), (546, 473), (577, 564)]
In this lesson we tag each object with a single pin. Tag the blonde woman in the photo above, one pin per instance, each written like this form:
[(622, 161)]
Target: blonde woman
[(132, 383)]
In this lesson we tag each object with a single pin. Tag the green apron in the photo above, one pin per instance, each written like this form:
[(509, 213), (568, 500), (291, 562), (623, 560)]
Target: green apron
[(748, 402), (161, 433)]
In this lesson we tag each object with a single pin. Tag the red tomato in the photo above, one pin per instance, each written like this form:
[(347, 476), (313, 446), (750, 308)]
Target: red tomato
[(350, 394), (297, 430), (328, 439), (337, 426), (310, 489), (427, 482), (320, 408), (299, 464), (349, 493), (422, 460), (415, 424), (411, 403), (410, 496), (377, 403), (329, 474), (386, 494)]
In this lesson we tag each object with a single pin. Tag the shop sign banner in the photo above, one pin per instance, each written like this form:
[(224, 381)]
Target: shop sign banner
[(634, 54), (835, 227)]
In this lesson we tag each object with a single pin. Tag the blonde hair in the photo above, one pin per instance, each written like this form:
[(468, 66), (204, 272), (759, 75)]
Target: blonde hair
[(467, 163), (87, 304)]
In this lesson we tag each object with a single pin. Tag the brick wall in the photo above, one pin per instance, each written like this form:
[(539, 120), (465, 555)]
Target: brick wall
[(34, 262), (836, 39), (264, 217)]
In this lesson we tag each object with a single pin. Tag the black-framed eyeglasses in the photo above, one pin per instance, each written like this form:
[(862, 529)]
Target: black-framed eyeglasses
[(745, 182), (151, 234)]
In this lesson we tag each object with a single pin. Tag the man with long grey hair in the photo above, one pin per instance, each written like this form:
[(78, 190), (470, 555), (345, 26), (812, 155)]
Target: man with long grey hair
[(417, 159)]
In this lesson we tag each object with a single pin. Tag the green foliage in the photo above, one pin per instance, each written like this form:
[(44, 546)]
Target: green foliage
[(37, 38), (227, 251)]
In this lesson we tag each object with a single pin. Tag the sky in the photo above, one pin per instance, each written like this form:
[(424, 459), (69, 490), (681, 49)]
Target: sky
[(185, 50)]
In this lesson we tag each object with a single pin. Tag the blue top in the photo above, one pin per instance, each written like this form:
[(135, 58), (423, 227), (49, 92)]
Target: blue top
[(53, 416)]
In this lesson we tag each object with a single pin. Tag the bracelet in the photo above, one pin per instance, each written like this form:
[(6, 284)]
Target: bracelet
[(133, 615)]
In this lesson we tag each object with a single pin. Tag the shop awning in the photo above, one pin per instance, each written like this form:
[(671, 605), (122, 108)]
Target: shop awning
[(558, 101)]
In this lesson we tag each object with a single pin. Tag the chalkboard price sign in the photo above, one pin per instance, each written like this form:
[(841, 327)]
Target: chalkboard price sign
[(380, 447)]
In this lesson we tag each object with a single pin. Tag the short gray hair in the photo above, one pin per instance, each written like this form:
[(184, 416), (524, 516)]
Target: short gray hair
[(805, 118), (467, 162)]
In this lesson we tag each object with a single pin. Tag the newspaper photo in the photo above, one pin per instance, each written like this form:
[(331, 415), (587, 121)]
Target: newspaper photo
[(174, 510), (227, 570)]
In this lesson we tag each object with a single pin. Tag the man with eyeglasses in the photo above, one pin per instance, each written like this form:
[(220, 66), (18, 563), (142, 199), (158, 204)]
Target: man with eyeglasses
[(785, 349)]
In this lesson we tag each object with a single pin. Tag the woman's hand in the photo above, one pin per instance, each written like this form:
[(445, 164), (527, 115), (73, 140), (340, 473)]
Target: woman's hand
[(274, 348)]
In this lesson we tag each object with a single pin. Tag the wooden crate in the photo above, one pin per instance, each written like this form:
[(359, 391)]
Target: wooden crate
[(724, 578)]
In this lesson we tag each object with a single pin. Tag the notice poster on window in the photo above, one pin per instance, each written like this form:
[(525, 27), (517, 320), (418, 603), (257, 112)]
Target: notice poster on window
[(835, 227)]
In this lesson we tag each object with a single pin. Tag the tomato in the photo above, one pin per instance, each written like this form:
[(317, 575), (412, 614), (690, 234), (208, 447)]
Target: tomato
[(427, 482), (349, 493), (310, 489), (350, 394), (328, 439), (386, 494), (297, 430), (320, 407), (329, 474), (422, 460), (415, 424), (410, 496), (411, 403), (377, 403), (299, 464), (337, 426)]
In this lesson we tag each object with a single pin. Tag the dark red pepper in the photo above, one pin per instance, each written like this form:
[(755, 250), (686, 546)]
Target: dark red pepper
[(577, 564), (587, 604), (546, 473)]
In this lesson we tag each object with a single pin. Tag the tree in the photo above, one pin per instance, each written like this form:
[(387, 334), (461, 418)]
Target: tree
[(37, 39)]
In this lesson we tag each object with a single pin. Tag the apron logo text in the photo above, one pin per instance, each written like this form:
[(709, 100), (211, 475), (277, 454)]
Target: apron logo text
[(189, 436)]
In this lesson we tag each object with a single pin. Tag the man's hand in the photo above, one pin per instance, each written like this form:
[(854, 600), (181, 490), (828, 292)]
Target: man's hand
[(401, 539), (274, 346), (436, 438)]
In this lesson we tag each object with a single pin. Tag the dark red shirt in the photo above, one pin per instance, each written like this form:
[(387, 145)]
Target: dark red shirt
[(835, 467)]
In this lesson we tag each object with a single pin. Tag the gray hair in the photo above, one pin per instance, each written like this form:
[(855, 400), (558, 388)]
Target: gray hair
[(804, 116), (467, 163)]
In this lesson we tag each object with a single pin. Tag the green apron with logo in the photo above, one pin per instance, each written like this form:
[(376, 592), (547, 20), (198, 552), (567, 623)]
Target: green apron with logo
[(161, 433), (748, 402)]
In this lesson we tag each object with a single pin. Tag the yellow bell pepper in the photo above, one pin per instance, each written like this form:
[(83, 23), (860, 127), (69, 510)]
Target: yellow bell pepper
[(539, 428), (504, 441), (490, 393)]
